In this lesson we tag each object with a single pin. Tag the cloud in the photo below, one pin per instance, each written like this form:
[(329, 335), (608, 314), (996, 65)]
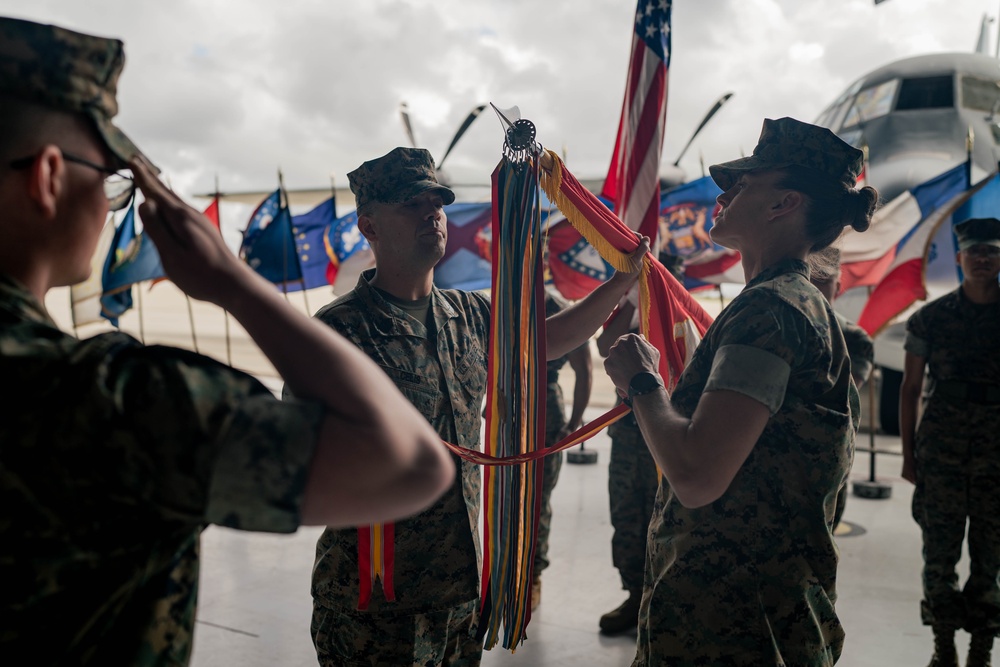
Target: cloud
[(236, 90)]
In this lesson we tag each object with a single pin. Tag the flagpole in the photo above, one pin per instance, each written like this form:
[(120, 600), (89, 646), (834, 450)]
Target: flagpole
[(284, 241), (871, 419), (142, 327), (194, 339), (72, 313), (970, 140), (333, 194), (225, 313)]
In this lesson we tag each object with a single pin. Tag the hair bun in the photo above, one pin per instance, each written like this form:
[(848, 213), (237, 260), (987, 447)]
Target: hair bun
[(863, 205)]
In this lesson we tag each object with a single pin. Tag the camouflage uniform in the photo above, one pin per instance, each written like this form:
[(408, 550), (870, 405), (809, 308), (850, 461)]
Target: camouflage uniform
[(115, 457), (437, 554), (957, 451), (861, 350), (750, 578), (632, 483), (555, 430)]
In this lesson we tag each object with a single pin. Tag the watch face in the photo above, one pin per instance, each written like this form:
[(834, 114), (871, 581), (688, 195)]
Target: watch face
[(643, 383)]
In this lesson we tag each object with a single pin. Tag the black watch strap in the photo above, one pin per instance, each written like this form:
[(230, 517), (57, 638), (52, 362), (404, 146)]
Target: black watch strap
[(641, 383)]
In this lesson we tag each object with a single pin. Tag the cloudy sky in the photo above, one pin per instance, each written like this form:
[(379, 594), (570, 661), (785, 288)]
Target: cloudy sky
[(236, 89)]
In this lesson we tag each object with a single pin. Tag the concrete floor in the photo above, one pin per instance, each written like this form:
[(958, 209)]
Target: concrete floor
[(254, 607)]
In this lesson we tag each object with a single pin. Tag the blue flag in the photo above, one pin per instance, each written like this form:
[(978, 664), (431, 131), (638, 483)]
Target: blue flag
[(132, 258), (268, 245), (323, 241)]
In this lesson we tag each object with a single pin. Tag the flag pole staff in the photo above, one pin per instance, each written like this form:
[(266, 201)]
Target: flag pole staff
[(298, 253), (333, 194), (996, 53), (283, 203), (871, 409), (970, 140), (142, 326), (72, 312), (194, 338), (187, 299), (225, 313), (871, 384)]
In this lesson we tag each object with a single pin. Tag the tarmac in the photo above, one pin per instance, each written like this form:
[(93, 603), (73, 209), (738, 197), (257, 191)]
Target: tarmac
[(254, 604)]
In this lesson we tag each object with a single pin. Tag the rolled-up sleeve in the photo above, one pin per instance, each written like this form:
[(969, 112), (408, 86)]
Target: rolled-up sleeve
[(263, 461), (751, 371), (201, 442)]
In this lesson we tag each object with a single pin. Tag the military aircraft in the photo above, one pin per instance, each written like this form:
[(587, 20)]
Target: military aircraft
[(914, 117)]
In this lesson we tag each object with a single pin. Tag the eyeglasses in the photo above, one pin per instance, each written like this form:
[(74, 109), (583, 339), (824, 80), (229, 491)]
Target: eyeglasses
[(118, 188)]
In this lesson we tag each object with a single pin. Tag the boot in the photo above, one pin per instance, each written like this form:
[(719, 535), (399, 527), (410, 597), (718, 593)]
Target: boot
[(945, 654), (979, 650), (625, 617)]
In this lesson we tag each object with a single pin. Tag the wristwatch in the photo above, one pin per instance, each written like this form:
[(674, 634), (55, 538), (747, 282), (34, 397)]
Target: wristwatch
[(641, 383)]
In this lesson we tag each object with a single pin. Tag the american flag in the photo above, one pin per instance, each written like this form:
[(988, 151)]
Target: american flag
[(633, 181)]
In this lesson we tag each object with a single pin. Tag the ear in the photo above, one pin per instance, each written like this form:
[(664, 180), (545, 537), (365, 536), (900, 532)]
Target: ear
[(788, 202), (367, 228), (46, 180)]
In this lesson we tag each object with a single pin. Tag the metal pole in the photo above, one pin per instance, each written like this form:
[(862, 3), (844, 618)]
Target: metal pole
[(871, 432)]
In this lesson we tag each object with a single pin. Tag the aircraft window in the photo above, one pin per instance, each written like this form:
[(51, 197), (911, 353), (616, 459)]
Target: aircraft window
[(821, 121), (927, 92), (872, 103), (837, 117), (853, 137), (833, 114), (981, 94)]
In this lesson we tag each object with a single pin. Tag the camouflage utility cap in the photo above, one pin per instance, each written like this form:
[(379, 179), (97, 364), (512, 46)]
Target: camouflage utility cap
[(396, 177), (65, 70), (787, 142), (978, 231)]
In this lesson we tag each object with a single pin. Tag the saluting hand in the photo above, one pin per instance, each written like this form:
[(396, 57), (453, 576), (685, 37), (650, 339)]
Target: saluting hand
[(194, 254)]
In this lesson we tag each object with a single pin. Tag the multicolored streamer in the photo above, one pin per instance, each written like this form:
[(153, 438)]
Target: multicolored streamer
[(515, 402)]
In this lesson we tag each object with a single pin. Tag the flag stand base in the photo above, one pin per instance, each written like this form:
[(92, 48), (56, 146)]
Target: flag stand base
[(872, 489), (581, 455)]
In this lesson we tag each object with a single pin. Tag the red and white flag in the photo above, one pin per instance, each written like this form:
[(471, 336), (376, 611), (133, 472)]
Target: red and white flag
[(866, 258), (927, 248), (633, 181)]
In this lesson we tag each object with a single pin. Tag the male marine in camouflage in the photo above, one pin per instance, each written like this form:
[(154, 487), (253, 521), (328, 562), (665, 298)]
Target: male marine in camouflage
[(433, 344), (116, 455), (954, 455)]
